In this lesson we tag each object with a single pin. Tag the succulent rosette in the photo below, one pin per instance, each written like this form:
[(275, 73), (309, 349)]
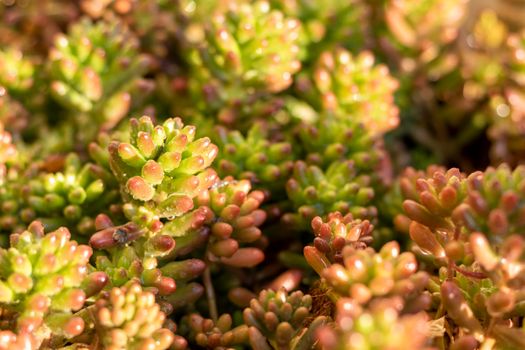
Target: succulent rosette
[(279, 318), (314, 192), (71, 197), (44, 279), (129, 318), (234, 222), (349, 86), (92, 68), (420, 28), (161, 169), (235, 46), (254, 157)]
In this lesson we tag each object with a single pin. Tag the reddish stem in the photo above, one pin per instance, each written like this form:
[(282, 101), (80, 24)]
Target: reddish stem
[(472, 274)]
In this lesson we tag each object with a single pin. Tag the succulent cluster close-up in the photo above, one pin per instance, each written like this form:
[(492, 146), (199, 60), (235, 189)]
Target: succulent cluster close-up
[(262, 174)]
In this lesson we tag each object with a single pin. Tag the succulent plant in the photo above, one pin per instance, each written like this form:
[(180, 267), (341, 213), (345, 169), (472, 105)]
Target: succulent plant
[(349, 86), (255, 157), (417, 33), (493, 204), (236, 46), (17, 71), (8, 151), (318, 19), (507, 128), (278, 318), (161, 169), (19, 77), (331, 139), (91, 69), (129, 318), (432, 226), (338, 232), (404, 188), (337, 174), (234, 221), (14, 341), (516, 43), (41, 279), (72, 197), (126, 260), (215, 335), (379, 328), (317, 193), (488, 42), (366, 274), (97, 8)]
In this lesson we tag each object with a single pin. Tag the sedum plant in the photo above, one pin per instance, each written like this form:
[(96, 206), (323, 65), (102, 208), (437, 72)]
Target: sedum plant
[(161, 169), (44, 280), (232, 51), (314, 192), (345, 86), (262, 174), (92, 68), (254, 157), (129, 318)]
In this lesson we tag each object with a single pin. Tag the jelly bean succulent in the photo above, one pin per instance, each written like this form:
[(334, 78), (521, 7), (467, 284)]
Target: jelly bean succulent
[(345, 85), (351, 30), (262, 174), (129, 318), (232, 48), (92, 67), (215, 335), (42, 279), (239, 46), (234, 221), (162, 168), (254, 157), (71, 197), (327, 140), (421, 28), (313, 192), (278, 320)]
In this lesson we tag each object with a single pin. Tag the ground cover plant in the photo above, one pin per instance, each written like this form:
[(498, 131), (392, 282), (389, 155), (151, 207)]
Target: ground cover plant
[(262, 174)]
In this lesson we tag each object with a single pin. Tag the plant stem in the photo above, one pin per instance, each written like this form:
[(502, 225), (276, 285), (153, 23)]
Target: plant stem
[(210, 293)]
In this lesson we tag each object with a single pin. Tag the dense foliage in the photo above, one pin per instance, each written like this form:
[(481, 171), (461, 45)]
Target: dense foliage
[(262, 174)]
